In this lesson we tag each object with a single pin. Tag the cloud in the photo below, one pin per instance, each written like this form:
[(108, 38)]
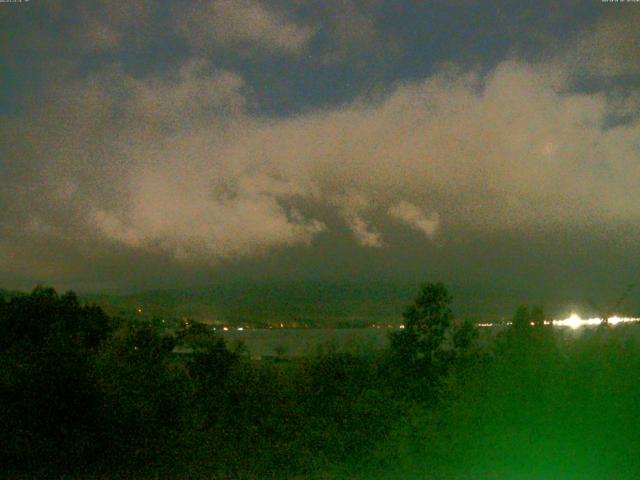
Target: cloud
[(193, 92), (351, 32), (190, 225), (480, 150), (505, 151), (241, 23), (363, 234), (612, 47), (413, 216), (100, 36), (181, 166), (144, 158), (104, 26)]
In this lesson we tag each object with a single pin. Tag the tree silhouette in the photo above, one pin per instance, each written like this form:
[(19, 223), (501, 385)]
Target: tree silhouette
[(464, 336), (44, 315), (421, 345), (537, 316), (521, 321), (48, 346)]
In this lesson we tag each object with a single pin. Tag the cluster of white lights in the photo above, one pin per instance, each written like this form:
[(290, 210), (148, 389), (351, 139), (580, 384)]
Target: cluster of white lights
[(574, 321)]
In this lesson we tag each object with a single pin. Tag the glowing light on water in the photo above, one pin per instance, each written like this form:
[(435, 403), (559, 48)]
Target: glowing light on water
[(615, 320), (574, 321)]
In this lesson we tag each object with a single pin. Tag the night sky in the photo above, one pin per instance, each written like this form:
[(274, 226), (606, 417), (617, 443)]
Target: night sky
[(173, 143)]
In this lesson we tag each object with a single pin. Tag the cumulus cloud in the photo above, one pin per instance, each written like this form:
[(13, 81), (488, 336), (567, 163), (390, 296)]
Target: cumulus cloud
[(363, 233), (413, 216), (480, 150), (106, 26), (612, 48), (244, 22), (100, 36), (181, 165), (352, 31), (140, 162), (191, 226), (193, 92)]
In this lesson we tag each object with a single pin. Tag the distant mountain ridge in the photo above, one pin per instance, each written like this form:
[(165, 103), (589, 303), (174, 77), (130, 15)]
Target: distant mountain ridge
[(311, 303), (315, 303)]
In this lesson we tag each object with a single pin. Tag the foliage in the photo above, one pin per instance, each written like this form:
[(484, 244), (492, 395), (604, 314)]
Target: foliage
[(37, 318), (87, 397), (428, 345), (521, 321), (48, 391)]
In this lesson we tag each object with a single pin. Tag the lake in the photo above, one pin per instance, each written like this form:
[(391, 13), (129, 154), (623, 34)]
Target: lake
[(301, 342)]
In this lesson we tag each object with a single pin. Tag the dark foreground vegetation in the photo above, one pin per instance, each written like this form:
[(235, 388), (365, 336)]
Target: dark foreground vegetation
[(88, 396)]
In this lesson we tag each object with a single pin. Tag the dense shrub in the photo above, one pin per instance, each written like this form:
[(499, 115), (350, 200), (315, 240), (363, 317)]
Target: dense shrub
[(50, 400), (89, 397)]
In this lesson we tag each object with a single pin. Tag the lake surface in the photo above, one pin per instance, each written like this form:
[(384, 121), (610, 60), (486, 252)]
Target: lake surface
[(301, 342)]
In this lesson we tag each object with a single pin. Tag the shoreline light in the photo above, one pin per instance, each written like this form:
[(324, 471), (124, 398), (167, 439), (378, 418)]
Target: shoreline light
[(574, 321)]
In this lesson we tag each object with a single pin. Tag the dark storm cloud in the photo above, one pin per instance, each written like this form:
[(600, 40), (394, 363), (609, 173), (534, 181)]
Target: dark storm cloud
[(179, 167)]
